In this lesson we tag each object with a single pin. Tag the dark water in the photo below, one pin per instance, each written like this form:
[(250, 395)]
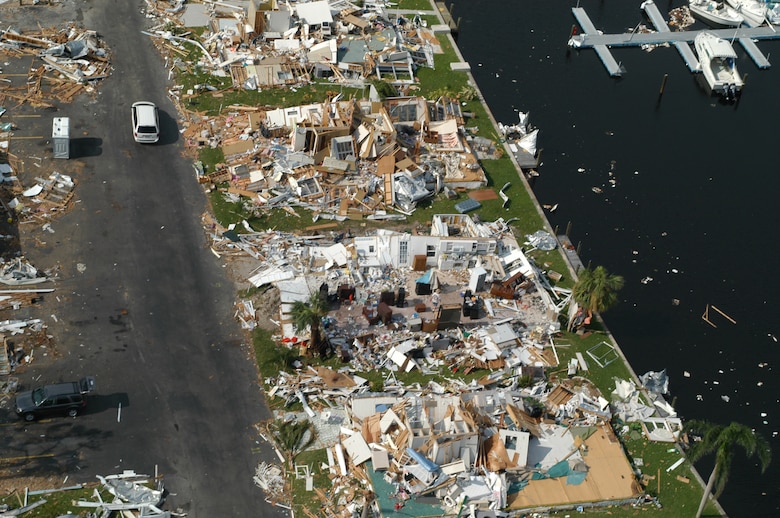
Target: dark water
[(693, 207)]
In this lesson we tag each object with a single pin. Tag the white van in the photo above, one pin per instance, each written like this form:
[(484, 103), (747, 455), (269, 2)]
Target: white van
[(146, 123)]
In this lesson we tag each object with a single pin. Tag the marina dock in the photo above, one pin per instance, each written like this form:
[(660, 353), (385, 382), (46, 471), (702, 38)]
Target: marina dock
[(601, 43)]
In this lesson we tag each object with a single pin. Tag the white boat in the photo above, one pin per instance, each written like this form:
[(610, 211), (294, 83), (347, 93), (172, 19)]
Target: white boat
[(718, 64), (753, 11), (715, 12)]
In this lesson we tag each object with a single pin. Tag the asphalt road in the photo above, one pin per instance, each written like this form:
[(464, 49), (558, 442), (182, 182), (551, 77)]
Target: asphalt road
[(140, 301)]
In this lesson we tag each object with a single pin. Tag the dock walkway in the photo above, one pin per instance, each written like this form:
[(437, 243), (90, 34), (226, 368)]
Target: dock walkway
[(592, 38)]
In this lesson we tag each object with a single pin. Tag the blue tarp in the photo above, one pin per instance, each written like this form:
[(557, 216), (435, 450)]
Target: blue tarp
[(426, 278), (516, 486), (559, 470), (423, 461)]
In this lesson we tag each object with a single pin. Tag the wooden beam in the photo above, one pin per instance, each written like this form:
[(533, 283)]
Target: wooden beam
[(725, 315), (706, 316)]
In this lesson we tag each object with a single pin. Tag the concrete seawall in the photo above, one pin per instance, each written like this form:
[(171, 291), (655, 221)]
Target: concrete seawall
[(547, 225)]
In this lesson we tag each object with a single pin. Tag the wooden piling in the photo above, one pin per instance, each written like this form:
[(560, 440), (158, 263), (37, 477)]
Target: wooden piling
[(663, 85)]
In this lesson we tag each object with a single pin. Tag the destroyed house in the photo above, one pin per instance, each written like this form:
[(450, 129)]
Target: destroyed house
[(374, 132), (445, 108), (322, 55), (395, 67), (404, 250), (454, 446), (257, 11), (408, 111), (318, 142), (315, 16), (291, 116), (434, 428), (353, 23), (272, 71), (437, 122), (342, 130)]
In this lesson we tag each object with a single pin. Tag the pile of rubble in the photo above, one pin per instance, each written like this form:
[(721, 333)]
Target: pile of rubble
[(288, 43), (74, 59), (132, 496), (270, 478), (21, 350), (39, 203), (466, 297), (339, 159), (443, 447), (462, 446)]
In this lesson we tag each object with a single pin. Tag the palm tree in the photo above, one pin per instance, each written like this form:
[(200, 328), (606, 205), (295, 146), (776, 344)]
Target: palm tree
[(292, 437), (721, 440), (309, 314), (596, 289)]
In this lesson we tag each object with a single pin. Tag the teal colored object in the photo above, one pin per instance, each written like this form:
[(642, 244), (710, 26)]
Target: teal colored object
[(559, 470), (575, 478), (467, 206)]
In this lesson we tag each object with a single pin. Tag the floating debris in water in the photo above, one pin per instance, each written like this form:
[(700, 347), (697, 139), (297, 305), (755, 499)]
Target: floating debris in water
[(681, 17)]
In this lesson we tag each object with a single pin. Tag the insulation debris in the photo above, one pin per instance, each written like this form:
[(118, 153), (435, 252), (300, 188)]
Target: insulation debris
[(133, 495)]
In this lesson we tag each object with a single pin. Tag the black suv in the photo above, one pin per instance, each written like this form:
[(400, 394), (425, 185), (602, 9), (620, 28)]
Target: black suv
[(59, 398)]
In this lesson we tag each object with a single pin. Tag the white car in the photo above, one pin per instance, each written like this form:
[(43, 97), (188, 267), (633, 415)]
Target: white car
[(146, 122)]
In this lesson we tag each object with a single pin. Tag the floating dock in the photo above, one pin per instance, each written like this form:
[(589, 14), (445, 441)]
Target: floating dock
[(591, 38)]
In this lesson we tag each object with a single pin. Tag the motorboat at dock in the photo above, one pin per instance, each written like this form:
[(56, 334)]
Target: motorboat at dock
[(753, 11), (716, 12), (718, 64)]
